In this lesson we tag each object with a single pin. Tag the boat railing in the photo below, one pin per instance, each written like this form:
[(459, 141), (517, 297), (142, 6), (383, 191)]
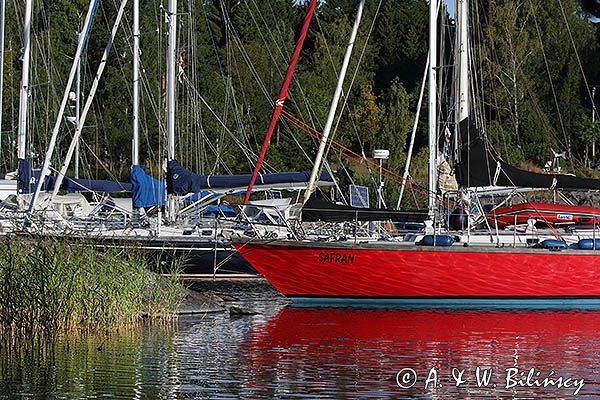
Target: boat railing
[(538, 227), (267, 221), (353, 225)]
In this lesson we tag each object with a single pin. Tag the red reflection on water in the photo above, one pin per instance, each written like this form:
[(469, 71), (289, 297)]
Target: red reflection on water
[(345, 351)]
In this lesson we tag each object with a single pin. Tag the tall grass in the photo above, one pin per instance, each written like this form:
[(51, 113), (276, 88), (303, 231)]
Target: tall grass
[(49, 286)]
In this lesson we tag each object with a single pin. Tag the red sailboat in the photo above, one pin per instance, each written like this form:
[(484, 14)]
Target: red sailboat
[(448, 268), (409, 274)]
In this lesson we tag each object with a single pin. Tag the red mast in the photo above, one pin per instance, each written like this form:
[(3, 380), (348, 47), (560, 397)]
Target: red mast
[(282, 96)]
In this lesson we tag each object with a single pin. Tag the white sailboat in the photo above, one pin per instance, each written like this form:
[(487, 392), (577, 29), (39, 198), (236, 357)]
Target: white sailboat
[(119, 222)]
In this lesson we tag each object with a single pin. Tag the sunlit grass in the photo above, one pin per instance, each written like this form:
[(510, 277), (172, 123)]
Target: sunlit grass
[(50, 286)]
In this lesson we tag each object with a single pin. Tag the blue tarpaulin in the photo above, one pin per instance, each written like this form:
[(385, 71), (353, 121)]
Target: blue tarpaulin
[(181, 181), (146, 191)]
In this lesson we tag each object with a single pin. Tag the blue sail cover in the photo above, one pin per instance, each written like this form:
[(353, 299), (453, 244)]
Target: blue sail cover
[(27, 180), (146, 191), (95, 185), (23, 177), (181, 181)]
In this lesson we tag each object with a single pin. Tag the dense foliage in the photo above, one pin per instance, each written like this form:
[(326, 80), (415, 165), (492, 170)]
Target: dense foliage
[(233, 57)]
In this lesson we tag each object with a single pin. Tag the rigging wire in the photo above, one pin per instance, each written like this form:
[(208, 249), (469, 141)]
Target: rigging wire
[(560, 118), (284, 57), (247, 60), (247, 151), (295, 80), (351, 85), (352, 81), (220, 67), (587, 86)]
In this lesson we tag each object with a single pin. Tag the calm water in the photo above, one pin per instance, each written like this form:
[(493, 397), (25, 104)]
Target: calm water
[(325, 353)]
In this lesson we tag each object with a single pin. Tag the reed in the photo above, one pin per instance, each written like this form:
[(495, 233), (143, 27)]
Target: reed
[(50, 286)]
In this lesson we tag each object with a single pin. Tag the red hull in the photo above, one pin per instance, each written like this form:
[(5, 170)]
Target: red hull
[(300, 270), (544, 212)]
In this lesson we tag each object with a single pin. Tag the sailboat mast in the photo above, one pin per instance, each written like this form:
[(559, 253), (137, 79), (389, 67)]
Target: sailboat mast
[(48, 157), (462, 46), (24, 96), (77, 111), (283, 93), (2, 23), (171, 60), (413, 135), (90, 97), (334, 104), (135, 78), (433, 14)]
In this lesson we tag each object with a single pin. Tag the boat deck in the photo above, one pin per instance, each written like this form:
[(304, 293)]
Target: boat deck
[(397, 245)]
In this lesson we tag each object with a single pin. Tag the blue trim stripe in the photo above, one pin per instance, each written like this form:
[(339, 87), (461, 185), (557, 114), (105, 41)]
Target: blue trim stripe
[(449, 303)]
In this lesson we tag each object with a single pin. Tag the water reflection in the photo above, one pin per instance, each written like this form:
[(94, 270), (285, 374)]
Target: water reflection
[(325, 353), (96, 366), (338, 353)]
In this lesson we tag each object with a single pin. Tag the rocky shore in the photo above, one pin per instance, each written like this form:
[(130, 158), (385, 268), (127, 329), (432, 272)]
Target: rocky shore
[(243, 297)]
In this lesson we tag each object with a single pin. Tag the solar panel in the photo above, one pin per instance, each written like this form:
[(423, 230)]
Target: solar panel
[(359, 196)]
